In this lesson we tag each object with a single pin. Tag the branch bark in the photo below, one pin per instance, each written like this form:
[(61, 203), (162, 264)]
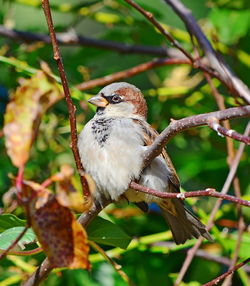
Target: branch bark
[(70, 105), (202, 193), (177, 126), (230, 271), (225, 188), (159, 27), (213, 123), (130, 72), (236, 183)]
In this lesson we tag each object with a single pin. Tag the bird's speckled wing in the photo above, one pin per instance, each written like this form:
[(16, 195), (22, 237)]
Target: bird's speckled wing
[(149, 135)]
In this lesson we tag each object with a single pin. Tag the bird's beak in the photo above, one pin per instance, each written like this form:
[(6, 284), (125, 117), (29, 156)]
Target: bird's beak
[(98, 100)]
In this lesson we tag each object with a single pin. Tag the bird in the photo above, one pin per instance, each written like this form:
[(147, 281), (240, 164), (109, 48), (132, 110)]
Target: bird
[(111, 147)]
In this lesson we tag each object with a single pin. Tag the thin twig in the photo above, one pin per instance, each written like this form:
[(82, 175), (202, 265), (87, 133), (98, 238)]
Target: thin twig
[(225, 261), (177, 126), (71, 107), (213, 123), (228, 181), (13, 244), (202, 193), (164, 32), (72, 39), (234, 84), (230, 271), (130, 72), (236, 184), (144, 67), (226, 124), (241, 227)]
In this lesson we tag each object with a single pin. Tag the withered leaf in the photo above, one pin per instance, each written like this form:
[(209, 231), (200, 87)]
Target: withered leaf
[(66, 189), (23, 113), (63, 239)]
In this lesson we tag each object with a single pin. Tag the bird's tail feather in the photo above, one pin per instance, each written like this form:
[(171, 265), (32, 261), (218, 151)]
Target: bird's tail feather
[(183, 224)]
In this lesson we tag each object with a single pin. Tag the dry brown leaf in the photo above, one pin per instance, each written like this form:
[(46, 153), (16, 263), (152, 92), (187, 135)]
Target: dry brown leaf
[(63, 239), (23, 113), (66, 192)]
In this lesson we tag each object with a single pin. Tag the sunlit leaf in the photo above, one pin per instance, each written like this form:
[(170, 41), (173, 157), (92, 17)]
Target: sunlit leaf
[(62, 238), (23, 113)]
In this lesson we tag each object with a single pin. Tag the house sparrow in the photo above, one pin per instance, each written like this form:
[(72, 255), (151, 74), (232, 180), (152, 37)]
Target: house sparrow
[(111, 147)]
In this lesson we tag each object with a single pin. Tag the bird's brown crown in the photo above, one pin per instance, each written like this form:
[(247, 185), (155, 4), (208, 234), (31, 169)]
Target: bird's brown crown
[(129, 93)]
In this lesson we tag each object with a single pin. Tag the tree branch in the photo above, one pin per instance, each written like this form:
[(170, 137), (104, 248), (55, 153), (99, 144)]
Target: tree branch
[(213, 123), (164, 32), (203, 193), (230, 271), (234, 84), (225, 188), (70, 105), (130, 72), (177, 126), (236, 183), (225, 261)]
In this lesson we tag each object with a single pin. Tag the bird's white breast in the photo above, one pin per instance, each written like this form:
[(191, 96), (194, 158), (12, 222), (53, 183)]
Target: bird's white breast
[(111, 152)]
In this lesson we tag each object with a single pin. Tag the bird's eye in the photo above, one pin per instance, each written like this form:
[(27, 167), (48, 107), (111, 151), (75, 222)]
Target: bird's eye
[(116, 98)]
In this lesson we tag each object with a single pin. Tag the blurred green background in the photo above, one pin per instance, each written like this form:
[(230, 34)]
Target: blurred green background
[(199, 155)]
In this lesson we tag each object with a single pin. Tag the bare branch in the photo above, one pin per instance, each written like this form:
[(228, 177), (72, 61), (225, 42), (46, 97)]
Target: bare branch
[(234, 84), (225, 188), (72, 39), (70, 105), (226, 124), (164, 32), (236, 183), (177, 126), (130, 72), (241, 227), (203, 193), (213, 123), (230, 271), (202, 254)]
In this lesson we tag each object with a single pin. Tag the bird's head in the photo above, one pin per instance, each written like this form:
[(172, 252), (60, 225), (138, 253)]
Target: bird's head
[(120, 99)]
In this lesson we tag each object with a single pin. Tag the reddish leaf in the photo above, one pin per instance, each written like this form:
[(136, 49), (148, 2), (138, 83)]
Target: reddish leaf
[(62, 238), (30, 100)]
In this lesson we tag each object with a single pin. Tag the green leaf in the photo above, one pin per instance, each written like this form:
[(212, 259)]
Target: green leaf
[(9, 235), (231, 24), (9, 221), (105, 232), (230, 242)]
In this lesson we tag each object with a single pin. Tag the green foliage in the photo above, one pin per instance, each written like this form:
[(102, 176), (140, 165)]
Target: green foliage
[(105, 232), (9, 220), (9, 235), (199, 155)]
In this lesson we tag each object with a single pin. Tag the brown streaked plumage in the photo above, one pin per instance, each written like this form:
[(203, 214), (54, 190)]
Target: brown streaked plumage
[(111, 147)]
